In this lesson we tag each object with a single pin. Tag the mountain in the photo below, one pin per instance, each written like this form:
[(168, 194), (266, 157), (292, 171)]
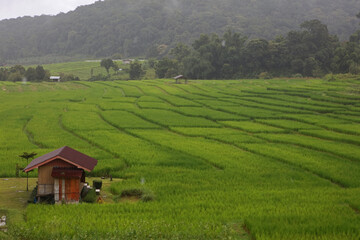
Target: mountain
[(135, 28)]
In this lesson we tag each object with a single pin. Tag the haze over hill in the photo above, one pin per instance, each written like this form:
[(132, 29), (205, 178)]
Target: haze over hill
[(138, 28)]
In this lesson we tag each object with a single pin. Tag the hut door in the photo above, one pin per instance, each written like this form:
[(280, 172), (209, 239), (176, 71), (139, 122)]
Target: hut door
[(72, 189)]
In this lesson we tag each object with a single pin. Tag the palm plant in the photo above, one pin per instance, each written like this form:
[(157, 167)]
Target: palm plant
[(27, 156)]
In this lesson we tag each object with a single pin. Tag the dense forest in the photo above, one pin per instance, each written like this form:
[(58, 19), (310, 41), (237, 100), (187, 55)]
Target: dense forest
[(310, 52), (151, 28)]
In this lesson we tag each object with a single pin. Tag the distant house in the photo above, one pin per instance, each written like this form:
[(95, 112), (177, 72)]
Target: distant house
[(61, 174), (127, 61), (55, 78), (177, 78)]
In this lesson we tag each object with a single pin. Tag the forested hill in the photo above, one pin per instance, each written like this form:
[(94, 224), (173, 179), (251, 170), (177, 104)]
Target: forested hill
[(148, 27)]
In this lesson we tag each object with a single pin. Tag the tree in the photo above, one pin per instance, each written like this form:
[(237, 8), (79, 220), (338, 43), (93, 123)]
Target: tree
[(136, 71), (30, 74), (180, 51), (115, 67), (3, 74), (316, 32), (233, 45), (255, 57), (166, 68), (40, 73), (15, 77), (107, 64), (310, 65), (18, 69), (27, 156), (297, 66), (196, 67)]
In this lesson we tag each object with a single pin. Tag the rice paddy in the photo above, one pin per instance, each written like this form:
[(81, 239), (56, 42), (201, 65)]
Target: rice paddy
[(247, 159)]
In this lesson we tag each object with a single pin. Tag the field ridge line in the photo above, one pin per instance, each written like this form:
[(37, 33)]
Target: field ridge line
[(30, 135), (305, 169), (94, 144), (216, 166)]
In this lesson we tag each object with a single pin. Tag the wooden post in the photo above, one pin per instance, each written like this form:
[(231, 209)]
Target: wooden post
[(17, 170), (27, 176)]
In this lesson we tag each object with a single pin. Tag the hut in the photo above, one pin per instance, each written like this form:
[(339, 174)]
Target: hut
[(55, 78), (177, 79), (127, 61), (61, 174)]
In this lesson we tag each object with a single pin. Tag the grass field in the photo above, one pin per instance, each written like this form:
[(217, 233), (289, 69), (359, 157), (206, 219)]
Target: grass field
[(85, 69), (248, 159)]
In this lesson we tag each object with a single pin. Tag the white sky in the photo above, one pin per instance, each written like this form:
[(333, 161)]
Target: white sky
[(19, 8)]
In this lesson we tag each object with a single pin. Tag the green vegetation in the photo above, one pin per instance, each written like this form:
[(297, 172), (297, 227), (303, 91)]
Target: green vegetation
[(310, 52), (82, 70), (90, 197), (135, 28), (18, 73), (229, 159)]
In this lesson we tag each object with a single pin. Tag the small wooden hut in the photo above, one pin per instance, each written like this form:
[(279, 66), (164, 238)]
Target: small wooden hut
[(55, 78), (177, 79), (61, 174)]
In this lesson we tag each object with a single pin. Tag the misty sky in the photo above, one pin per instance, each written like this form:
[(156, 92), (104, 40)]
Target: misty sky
[(19, 8)]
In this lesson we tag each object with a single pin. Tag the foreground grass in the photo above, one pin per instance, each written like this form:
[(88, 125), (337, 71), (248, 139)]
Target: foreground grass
[(14, 199), (263, 159)]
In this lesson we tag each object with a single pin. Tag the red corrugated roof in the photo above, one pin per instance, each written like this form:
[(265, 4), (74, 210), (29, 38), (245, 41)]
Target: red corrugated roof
[(67, 154), (66, 173)]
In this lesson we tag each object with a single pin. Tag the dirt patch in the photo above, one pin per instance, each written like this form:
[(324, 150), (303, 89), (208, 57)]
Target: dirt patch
[(134, 195), (355, 209), (15, 191), (242, 231), (105, 193), (130, 199)]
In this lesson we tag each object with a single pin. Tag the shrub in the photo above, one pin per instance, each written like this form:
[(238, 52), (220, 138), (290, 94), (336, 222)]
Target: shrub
[(297, 75), (68, 77), (99, 77), (265, 75), (33, 195), (90, 196), (143, 194), (84, 192), (132, 193), (330, 77), (147, 196), (354, 69)]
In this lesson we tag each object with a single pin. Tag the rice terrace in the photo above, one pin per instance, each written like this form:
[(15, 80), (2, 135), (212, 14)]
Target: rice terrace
[(218, 159)]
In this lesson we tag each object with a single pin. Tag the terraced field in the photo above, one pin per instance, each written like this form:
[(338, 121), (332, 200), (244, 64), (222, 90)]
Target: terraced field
[(249, 159)]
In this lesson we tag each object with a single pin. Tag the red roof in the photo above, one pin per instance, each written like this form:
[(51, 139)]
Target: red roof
[(66, 173), (66, 154)]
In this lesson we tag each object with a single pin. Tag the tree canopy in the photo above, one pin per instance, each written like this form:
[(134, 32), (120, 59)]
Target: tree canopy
[(311, 52), (138, 28), (107, 64)]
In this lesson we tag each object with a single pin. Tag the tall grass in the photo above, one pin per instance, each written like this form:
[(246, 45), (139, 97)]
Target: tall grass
[(247, 159)]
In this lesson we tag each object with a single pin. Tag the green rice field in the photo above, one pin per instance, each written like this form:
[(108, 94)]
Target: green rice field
[(235, 159)]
